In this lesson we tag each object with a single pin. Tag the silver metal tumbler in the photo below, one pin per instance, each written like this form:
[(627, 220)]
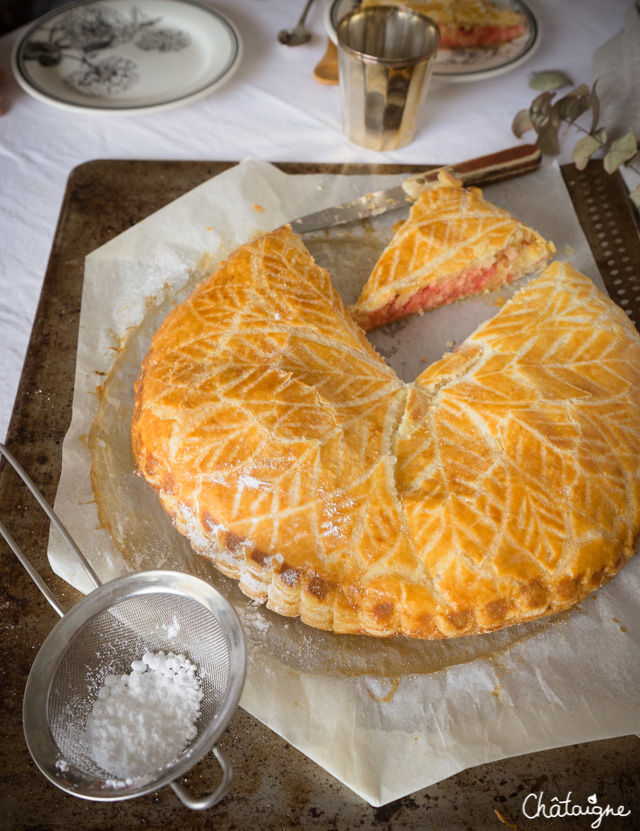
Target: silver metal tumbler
[(385, 56)]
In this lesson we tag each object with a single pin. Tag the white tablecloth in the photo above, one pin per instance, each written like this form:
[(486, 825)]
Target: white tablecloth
[(271, 109)]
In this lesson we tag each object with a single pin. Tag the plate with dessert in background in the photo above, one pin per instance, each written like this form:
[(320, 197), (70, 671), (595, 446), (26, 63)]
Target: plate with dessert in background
[(479, 38)]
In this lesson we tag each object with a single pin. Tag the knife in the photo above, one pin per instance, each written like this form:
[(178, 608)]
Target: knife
[(515, 161)]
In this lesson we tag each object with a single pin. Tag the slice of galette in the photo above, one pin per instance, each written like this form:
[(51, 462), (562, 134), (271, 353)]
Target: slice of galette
[(453, 244)]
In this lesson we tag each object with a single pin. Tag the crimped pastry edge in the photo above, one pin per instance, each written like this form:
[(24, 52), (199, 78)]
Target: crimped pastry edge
[(292, 593)]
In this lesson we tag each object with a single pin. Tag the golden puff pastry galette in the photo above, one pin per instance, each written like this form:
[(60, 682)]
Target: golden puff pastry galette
[(454, 243), (466, 23), (500, 486)]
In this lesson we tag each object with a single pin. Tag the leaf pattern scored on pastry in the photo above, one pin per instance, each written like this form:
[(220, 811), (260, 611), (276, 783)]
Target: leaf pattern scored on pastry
[(502, 485)]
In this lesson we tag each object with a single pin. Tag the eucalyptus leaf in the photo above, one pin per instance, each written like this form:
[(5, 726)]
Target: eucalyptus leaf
[(595, 107), (521, 123), (573, 104), (540, 110), (549, 79), (581, 89), (635, 197), (548, 139), (584, 150), (622, 150)]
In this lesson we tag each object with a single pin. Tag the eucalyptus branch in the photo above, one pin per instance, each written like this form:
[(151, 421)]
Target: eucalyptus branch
[(546, 115)]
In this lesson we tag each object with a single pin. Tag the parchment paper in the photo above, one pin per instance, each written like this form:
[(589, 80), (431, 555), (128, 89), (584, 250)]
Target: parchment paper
[(386, 717)]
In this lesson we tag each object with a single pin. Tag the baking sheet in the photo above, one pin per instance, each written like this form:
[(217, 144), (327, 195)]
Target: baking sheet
[(406, 713)]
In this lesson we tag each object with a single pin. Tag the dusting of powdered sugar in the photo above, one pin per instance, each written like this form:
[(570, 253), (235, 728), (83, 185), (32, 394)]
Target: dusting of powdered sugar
[(330, 529), (142, 721), (172, 629), (249, 482), (335, 514)]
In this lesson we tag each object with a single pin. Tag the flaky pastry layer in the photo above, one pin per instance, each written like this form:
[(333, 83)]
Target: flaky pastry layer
[(502, 485)]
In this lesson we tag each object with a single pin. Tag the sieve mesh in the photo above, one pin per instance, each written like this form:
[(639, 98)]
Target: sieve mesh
[(110, 641)]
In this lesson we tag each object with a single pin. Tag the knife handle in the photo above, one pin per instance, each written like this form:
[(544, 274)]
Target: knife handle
[(515, 161)]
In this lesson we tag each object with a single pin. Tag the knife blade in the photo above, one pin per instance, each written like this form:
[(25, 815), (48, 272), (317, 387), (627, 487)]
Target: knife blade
[(505, 164)]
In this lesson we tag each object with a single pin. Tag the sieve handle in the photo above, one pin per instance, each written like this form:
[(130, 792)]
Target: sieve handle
[(208, 801), (55, 521)]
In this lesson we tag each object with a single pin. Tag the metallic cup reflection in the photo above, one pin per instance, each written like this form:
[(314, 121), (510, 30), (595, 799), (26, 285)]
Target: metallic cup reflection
[(385, 56)]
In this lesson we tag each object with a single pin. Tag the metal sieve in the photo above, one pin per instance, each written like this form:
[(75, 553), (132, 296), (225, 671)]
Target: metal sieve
[(102, 634)]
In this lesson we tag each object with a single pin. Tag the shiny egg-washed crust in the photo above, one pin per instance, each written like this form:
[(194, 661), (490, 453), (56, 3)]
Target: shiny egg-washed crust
[(450, 233), (500, 486)]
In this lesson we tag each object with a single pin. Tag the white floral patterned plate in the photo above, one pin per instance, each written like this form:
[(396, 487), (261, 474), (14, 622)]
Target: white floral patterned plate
[(127, 56), (465, 64)]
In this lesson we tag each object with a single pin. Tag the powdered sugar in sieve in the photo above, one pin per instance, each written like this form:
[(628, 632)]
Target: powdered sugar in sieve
[(101, 732), (142, 721)]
